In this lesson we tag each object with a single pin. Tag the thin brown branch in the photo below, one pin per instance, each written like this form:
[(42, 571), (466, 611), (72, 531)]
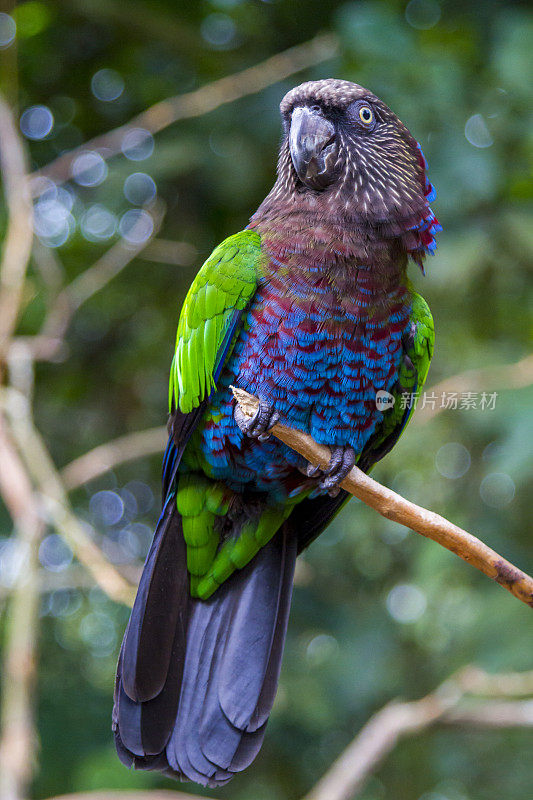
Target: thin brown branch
[(209, 97), (493, 714), (18, 240), (392, 506), (49, 267), (166, 251), (111, 454), (380, 735), (17, 724), (487, 379), (54, 497), (502, 684)]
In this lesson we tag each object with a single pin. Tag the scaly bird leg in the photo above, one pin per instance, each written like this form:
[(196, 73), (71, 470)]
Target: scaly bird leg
[(258, 426), (342, 460)]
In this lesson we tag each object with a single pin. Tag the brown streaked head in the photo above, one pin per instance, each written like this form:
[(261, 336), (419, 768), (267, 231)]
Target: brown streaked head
[(345, 146)]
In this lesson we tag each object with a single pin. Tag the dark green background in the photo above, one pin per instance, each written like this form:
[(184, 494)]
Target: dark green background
[(212, 172)]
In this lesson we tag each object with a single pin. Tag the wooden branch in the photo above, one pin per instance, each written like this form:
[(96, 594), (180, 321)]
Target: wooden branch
[(494, 714), (40, 466), (380, 735), (111, 454), (167, 251), (209, 97), (502, 684), (17, 724), (18, 240), (394, 507)]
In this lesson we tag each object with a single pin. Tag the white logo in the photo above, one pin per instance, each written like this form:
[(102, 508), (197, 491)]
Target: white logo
[(384, 400)]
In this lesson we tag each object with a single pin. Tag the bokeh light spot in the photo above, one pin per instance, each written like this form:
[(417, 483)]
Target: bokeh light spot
[(98, 223), (406, 602), (452, 460), (130, 503), (107, 85), (139, 188), (8, 30), (142, 494), (36, 122), (89, 169), (477, 133), (493, 451), (143, 533), (62, 603), (219, 30), (55, 554), (136, 226), (106, 507), (497, 489), (137, 144), (52, 219), (422, 14), (98, 631), (321, 649)]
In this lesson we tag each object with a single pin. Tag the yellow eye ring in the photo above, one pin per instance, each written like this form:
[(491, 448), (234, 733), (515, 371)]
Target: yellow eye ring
[(366, 115)]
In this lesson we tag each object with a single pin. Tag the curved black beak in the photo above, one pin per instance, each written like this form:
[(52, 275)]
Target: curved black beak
[(313, 147)]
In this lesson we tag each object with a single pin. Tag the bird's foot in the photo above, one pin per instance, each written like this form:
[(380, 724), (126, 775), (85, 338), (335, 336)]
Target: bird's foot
[(342, 459), (258, 426)]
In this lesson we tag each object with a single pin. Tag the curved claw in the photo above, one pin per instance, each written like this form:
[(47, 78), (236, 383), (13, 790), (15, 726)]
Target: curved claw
[(342, 460), (258, 426), (312, 471)]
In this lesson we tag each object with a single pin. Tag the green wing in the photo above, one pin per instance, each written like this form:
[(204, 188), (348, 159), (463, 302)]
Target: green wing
[(210, 317), (208, 326), (418, 352)]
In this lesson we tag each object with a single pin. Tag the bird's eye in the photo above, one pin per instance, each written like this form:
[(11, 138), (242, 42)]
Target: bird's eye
[(366, 115)]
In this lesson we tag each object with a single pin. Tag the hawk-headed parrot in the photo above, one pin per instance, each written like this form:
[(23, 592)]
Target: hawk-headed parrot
[(310, 309)]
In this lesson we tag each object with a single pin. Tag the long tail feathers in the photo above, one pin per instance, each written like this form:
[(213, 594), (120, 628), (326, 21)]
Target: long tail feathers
[(196, 679)]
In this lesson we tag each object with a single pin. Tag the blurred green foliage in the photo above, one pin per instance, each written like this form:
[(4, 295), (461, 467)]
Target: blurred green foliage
[(381, 612)]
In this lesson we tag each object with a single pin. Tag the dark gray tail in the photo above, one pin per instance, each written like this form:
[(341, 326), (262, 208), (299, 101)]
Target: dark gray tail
[(196, 679)]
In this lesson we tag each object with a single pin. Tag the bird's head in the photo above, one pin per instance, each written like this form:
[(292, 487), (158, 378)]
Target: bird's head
[(348, 156)]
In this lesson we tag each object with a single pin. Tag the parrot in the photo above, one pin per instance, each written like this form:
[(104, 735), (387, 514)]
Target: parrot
[(310, 309)]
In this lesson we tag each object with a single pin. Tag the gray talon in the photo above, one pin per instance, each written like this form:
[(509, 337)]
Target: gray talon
[(335, 461), (258, 426), (341, 461)]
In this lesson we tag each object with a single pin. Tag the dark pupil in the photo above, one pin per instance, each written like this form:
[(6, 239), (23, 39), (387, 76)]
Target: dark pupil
[(366, 114)]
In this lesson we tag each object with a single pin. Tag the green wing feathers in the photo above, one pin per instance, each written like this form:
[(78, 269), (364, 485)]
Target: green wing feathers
[(421, 350), (411, 379), (200, 500), (223, 288)]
